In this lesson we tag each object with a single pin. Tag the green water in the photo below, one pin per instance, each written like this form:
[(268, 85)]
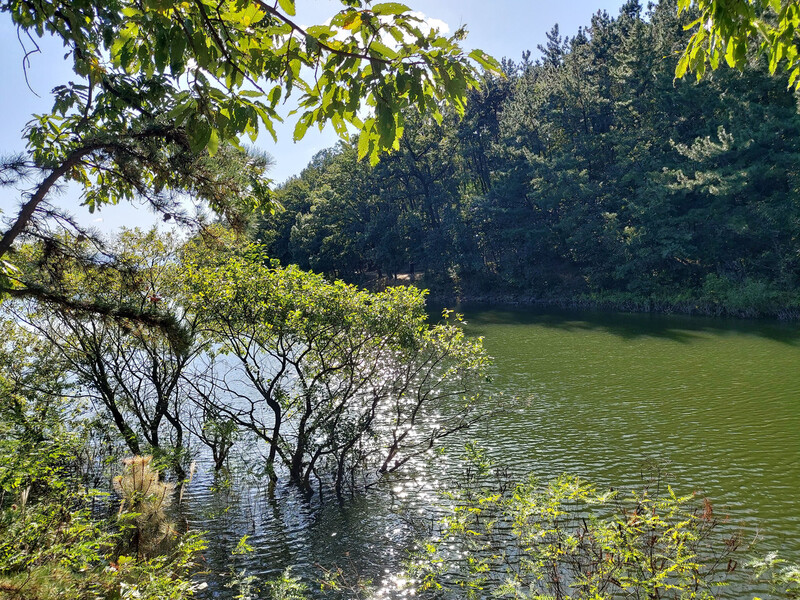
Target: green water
[(716, 401)]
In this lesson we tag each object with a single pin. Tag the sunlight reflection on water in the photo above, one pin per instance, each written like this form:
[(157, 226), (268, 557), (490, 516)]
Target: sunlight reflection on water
[(596, 395)]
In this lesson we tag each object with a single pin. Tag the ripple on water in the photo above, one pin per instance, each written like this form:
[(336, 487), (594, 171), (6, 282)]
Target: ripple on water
[(716, 403)]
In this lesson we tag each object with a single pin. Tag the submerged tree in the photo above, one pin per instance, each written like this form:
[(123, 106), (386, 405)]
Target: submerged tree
[(337, 381), (130, 353)]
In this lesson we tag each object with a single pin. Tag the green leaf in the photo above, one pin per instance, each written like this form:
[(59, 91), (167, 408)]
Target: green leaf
[(275, 95), (249, 16), (339, 125), (176, 50), (390, 8), (213, 142), (730, 57), (352, 21), (287, 6), (319, 31), (384, 50), (363, 145), (200, 136), (302, 126), (683, 65), (485, 60), (793, 76), (374, 158), (762, 28), (271, 129)]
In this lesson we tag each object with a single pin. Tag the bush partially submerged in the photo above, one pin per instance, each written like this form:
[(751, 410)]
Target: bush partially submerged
[(338, 383), (567, 539)]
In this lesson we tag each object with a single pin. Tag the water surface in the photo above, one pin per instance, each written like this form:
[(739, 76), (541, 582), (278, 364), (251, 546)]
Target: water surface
[(715, 402)]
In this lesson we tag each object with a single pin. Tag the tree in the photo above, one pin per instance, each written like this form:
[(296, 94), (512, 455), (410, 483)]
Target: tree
[(166, 86), (336, 381), (590, 173), (133, 372), (732, 30)]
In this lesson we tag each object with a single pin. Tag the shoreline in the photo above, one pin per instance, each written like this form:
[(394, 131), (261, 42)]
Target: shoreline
[(607, 302), (698, 308)]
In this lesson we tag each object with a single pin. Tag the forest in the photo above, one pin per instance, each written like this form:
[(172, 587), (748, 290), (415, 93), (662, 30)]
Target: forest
[(585, 174), (267, 351)]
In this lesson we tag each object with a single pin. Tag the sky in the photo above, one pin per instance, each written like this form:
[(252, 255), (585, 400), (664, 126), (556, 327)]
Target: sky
[(503, 28)]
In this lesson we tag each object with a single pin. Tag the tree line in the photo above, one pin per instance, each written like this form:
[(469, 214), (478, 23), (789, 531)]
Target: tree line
[(588, 175)]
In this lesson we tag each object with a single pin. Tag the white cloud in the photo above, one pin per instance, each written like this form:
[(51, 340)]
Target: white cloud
[(429, 23)]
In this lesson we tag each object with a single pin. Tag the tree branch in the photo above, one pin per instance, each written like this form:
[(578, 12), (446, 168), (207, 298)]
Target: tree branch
[(27, 210), (295, 27)]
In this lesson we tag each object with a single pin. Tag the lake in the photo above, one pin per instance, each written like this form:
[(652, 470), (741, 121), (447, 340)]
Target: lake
[(715, 402)]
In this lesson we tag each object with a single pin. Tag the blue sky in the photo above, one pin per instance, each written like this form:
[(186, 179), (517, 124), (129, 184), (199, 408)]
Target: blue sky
[(503, 28)]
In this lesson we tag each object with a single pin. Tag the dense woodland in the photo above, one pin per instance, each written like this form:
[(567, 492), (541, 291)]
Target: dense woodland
[(587, 174)]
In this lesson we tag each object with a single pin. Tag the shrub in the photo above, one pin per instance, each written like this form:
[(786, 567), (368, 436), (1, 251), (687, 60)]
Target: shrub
[(144, 498), (566, 539)]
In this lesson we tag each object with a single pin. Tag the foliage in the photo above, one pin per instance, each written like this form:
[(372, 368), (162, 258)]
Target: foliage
[(335, 380), (585, 175), (378, 54), (52, 543), (342, 382), (57, 537), (731, 30), (114, 318), (165, 577), (165, 91), (48, 523), (287, 587), (566, 539), (44, 514), (785, 578)]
